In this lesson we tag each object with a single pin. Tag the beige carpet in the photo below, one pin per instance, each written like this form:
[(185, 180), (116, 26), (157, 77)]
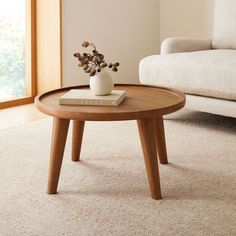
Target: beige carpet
[(107, 194)]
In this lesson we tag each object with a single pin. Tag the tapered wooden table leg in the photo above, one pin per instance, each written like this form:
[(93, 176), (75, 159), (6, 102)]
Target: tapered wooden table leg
[(161, 141), (77, 136), (147, 135), (59, 134)]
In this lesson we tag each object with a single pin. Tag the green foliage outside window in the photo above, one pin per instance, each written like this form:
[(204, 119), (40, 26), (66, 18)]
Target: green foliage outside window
[(12, 58)]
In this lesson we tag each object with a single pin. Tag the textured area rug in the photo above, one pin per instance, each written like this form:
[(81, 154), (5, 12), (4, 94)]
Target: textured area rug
[(106, 193)]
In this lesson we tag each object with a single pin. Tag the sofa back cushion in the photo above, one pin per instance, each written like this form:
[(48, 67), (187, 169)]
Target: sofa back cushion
[(224, 30)]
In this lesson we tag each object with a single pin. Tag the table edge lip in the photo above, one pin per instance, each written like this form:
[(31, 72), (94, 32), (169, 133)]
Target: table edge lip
[(39, 105)]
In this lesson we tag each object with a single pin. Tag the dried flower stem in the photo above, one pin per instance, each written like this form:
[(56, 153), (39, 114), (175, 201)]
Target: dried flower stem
[(92, 45)]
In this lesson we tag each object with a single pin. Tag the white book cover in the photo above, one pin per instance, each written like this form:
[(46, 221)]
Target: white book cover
[(85, 97)]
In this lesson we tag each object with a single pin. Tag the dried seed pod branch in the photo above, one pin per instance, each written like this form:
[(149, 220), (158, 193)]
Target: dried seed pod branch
[(94, 62)]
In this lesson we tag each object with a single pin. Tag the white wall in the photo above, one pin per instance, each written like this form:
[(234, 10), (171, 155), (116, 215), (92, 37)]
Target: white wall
[(189, 18), (128, 30), (124, 30)]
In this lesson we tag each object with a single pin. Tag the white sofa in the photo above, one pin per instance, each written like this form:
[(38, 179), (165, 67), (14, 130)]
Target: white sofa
[(204, 69)]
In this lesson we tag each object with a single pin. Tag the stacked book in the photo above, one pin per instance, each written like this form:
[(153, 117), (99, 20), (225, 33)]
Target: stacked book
[(85, 97)]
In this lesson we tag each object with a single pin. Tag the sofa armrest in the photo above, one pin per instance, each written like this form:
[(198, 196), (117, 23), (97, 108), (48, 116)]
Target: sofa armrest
[(176, 45)]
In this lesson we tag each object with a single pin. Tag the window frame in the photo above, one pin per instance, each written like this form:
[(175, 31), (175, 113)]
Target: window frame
[(31, 56)]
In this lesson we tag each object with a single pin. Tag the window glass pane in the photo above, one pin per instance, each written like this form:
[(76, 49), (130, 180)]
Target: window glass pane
[(12, 49)]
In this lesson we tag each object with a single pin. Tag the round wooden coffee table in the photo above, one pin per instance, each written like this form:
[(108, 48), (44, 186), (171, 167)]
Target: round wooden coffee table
[(146, 104)]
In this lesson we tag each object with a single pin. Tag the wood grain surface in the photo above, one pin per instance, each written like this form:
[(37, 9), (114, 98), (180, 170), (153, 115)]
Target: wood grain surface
[(141, 101)]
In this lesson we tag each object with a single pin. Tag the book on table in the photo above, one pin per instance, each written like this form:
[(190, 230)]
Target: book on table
[(85, 97)]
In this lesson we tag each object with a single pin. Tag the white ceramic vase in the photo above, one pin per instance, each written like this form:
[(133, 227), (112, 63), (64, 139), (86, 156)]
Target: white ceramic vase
[(101, 83)]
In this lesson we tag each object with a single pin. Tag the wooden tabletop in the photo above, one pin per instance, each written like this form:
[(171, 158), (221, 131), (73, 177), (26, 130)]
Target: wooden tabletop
[(142, 101)]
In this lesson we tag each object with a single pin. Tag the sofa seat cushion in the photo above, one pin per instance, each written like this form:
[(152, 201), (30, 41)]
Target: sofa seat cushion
[(209, 73)]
